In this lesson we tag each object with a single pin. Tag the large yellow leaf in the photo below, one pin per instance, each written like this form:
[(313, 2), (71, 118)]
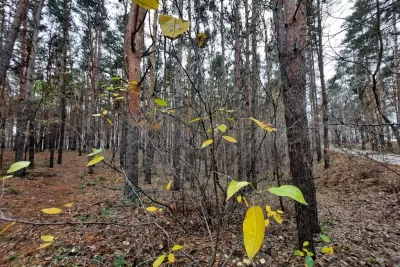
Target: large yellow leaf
[(159, 261), (148, 4), (7, 226), (47, 238), (151, 209), (173, 27), (222, 128), (266, 126), (171, 258), (95, 160), (235, 186), (52, 211), (253, 231), (18, 166), (207, 143), (229, 139)]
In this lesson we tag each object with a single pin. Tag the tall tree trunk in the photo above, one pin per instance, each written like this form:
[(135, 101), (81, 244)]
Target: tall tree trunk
[(396, 62), (133, 47), (63, 78), (20, 16), (323, 86), (291, 28)]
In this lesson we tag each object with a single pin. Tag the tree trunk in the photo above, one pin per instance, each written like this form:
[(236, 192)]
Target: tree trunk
[(133, 47), (291, 28)]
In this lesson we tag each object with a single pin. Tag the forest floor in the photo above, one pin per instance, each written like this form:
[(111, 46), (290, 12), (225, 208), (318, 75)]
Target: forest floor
[(358, 209)]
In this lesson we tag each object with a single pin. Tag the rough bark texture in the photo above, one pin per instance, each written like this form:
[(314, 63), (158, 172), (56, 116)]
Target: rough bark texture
[(291, 28), (133, 45)]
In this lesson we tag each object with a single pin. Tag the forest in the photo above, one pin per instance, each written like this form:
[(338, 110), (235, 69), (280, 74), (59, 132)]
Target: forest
[(199, 133)]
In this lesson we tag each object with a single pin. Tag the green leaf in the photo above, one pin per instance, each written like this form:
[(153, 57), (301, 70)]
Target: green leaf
[(253, 231), (306, 243), (289, 191), (116, 78), (309, 261), (95, 152), (235, 186), (298, 253), (222, 128), (159, 261), (325, 238), (195, 119), (95, 160), (207, 143), (161, 102), (18, 166)]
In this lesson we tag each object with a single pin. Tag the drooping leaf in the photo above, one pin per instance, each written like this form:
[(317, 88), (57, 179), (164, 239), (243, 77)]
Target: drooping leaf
[(207, 143), (222, 128), (47, 238), (109, 121), (327, 250), (148, 4), (266, 126), (201, 36), (45, 245), (6, 177), (229, 139), (52, 211), (173, 27), (171, 258), (235, 186), (253, 231), (18, 166), (325, 238), (309, 261), (161, 102), (69, 205), (95, 152), (298, 253), (159, 261), (95, 160), (151, 209), (96, 115), (288, 191), (195, 119), (169, 185), (7, 227), (239, 199), (176, 247)]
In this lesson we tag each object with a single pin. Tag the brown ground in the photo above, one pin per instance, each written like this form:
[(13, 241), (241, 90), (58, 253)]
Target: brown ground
[(358, 210)]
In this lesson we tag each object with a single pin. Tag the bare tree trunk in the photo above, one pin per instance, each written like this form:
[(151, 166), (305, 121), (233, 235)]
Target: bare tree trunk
[(291, 28), (20, 16), (63, 78), (133, 46)]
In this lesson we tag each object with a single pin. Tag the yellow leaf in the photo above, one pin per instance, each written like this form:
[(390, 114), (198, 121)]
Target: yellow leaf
[(169, 185), (115, 94), (171, 111), (229, 139), (95, 160), (279, 211), (222, 128), (266, 126), (173, 27), (45, 245), (69, 205), (151, 209), (239, 199), (120, 98), (327, 250), (270, 212), (246, 261), (207, 143), (118, 180), (109, 121), (105, 112), (18, 166), (7, 226), (245, 202), (176, 247), (235, 186), (253, 231), (159, 261), (266, 222), (278, 218), (171, 258), (52, 211), (160, 209), (6, 177), (148, 4), (306, 243), (202, 37), (96, 115), (194, 120), (135, 82), (47, 238)]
